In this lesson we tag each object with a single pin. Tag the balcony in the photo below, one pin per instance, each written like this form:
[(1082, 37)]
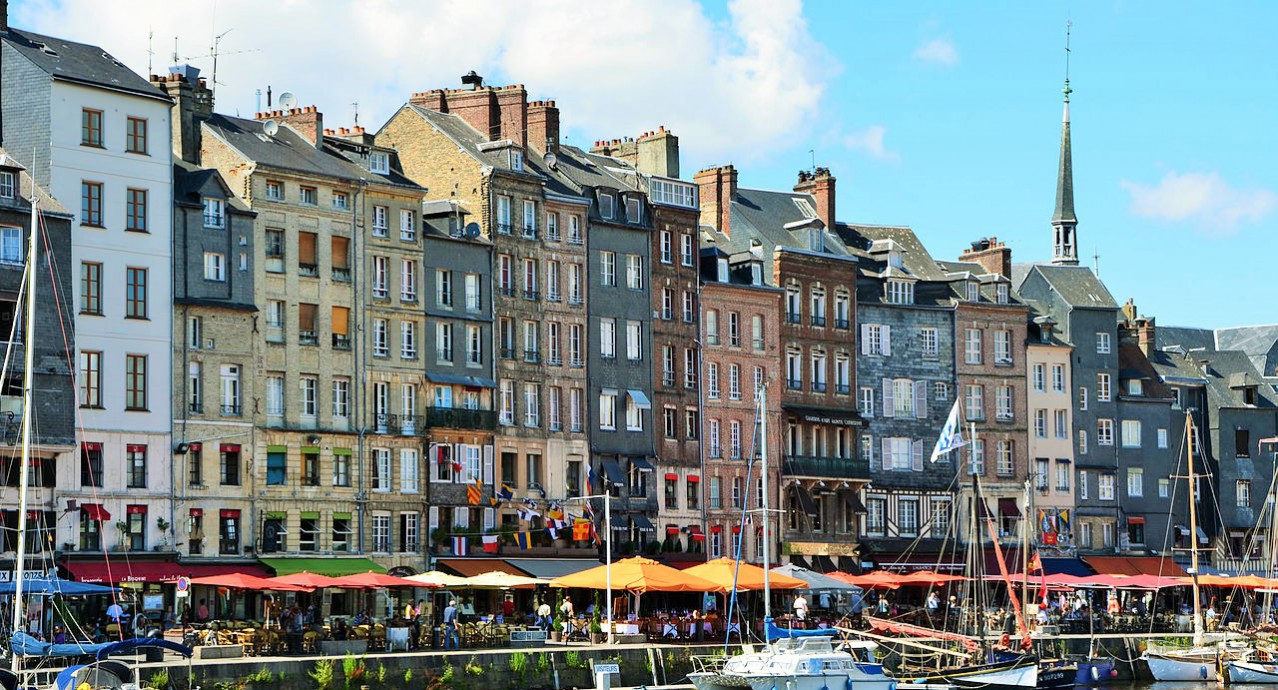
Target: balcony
[(232, 410), (342, 275), (531, 295), (818, 386), (507, 353), (341, 342), (823, 466), (506, 291), (503, 228), (532, 356), (793, 317), (308, 270), (818, 320), (307, 338), (195, 408), (794, 384), (530, 232), (407, 425), (840, 323), (460, 418), (842, 388)]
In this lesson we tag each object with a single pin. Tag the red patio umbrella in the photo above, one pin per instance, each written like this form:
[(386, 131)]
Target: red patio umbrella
[(929, 577), (877, 579), (371, 580), (245, 581), (305, 579)]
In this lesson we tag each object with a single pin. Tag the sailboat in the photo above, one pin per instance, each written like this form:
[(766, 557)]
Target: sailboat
[(791, 659), (101, 672), (1201, 661)]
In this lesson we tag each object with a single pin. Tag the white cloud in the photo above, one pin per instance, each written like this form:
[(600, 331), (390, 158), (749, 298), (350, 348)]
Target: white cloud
[(870, 141), (1206, 199), (940, 51), (745, 87)]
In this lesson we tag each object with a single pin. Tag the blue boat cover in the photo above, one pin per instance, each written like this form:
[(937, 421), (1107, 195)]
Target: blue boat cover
[(136, 642), (54, 585), (23, 644), (70, 678), (775, 633)]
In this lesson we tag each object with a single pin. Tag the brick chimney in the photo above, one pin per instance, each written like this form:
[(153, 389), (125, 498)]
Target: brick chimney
[(496, 113), (994, 256), (718, 187), (820, 185), (624, 148), (1129, 310), (543, 126), (307, 121), (658, 153), (512, 106), (4, 16), (192, 104)]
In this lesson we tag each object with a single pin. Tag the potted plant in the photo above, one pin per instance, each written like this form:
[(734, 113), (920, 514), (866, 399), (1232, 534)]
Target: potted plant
[(557, 618), (438, 537), (123, 528), (596, 630)]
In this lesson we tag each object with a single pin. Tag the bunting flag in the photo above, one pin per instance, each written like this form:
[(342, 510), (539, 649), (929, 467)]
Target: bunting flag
[(490, 543), (459, 546), (581, 529), (457, 467), (951, 434), (593, 478), (555, 516), (553, 531), (506, 493), (1035, 564), (474, 493), (522, 539)]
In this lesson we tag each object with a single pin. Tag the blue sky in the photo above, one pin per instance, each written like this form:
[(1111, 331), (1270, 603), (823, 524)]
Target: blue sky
[(944, 116)]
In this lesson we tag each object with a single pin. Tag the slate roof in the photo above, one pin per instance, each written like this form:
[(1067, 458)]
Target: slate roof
[(80, 63), (1259, 342), (1132, 363), (1077, 285), (1185, 338), (1224, 365), (915, 258), (287, 150), (26, 186), (1176, 367), (1065, 177), (190, 181)]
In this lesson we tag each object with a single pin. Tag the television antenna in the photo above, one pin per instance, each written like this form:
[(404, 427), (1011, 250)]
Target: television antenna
[(215, 51)]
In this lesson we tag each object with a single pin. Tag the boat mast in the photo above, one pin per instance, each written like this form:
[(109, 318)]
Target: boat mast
[(767, 516), (1193, 531), (974, 552), (28, 347)]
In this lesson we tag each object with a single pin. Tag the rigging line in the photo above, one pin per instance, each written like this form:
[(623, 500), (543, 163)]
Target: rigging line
[(60, 310)]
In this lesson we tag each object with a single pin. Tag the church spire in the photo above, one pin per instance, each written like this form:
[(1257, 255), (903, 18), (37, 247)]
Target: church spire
[(1064, 222)]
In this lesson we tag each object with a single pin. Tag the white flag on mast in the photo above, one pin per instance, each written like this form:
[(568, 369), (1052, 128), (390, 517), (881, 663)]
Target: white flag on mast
[(951, 434)]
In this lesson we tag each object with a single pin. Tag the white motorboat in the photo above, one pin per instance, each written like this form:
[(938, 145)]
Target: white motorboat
[(799, 663), (1243, 671), (1184, 665)]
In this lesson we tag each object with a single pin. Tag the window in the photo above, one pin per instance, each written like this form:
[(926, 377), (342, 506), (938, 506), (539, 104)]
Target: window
[(793, 305), (380, 278), (310, 396), (1135, 481), (214, 267), (1004, 458), (136, 527), (341, 201), (379, 162), (1102, 343), (381, 224), (274, 395), (274, 190), (1082, 442), (634, 271), (574, 230), (842, 308), (91, 288), (341, 532), (685, 249), (574, 284), (381, 533), (91, 127), (381, 338), (607, 268), (553, 420), (1058, 378), (8, 188), (972, 346), (1242, 493), (634, 210), (1162, 438), (381, 469), (408, 281), (1105, 432), (1082, 485), (712, 437), (670, 422), (634, 415), (136, 136), (135, 210), (1062, 424), (605, 205), (1040, 377), (712, 380), (973, 291), (1003, 400), (689, 306), (907, 516), (574, 345), (507, 408), (691, 425), (1062, 476), (608, 411), (689, 368), (940, 517), (552, 281), (712, 327), (816, 306), (900, 292), (195, 388), (552, 226), (408, 471), (667, 247), (554, 351), (1001, 293), (1102, 388), (1131, 433), (309, 197), (875, 509), (91, 204), (229, 465), (1040, 423), (1105, 491), (930, 342), (407, 340), (230, 378), (608, 338), (532, 405), (276, 468), (135, 382), (1242, 443), (974, 402), (1164, 487), (407, 225), (575, 397), (135, 466), (634, 341), (1002, 347), (734, 439), (341, 398), (1134, 387)]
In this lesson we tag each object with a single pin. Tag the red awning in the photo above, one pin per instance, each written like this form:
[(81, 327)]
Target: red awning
[(1135, 520), (113, 572), (716, 529), (229, 513), (693, 478), (230, 447), (135, 448), (195, 447), (1007, 508), (92, 446), (136, 510), (95, 511), (672, 529), (736, 529), (671, 476), (1135, 565), (697, 534), (197, 512)]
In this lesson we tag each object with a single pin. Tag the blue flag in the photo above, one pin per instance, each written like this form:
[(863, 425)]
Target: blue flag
[(951, 434), (521, 539)]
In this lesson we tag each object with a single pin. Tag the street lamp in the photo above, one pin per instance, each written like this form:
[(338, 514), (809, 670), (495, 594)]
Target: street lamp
[(607, 499)]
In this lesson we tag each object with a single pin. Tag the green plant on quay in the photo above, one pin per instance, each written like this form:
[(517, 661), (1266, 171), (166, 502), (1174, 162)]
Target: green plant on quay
[(408, 676), (573, 660), (473, 667), (262, 675), (518, 664), (322, 674), (446, 677), (158, 680), (543, 663), (353, 671), (381, 674)]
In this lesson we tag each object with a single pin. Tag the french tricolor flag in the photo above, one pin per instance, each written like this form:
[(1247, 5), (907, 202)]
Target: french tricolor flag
[(459, 546)]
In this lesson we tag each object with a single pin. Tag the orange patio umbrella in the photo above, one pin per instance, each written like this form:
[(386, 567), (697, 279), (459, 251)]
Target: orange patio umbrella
[(639, 575), (371, 580), (245, 581), (721, 571), (306, 579)]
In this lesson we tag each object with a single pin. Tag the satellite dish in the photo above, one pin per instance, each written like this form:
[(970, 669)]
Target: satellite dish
[(271, 127), (472, 230), (551, 160), (288, 101)]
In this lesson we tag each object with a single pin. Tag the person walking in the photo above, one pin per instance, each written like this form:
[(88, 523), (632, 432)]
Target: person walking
[(543, 615), (452, 640), (800, 607)]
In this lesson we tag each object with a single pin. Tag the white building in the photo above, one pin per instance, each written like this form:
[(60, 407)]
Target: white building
[(97, 135)]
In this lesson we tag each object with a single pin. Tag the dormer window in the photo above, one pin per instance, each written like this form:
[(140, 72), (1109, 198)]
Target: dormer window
[(379, 162), (214, 213), (1000, 292), (973, 291), (516, 160), (756, 273), (722, 270), (605, 205), (896, 259), (1134, 387), (900, 292), (816, 240), (7, 187), (634, 210), (1249, 395)]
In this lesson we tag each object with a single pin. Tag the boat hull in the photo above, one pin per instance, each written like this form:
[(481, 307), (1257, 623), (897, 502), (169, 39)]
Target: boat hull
[(1186, 668), (1252, 672), (1094, 672), (1058, 676), (998, 676), (815, 681)]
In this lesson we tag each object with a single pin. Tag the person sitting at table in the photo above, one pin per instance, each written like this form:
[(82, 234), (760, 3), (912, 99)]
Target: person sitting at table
[(202, 614)]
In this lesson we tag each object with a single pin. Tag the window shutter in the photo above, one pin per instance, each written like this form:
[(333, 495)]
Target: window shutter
[(916, 455), (459, 458), (865, 339), (889, 402), (874, 457), (432, 520), (920, 399), (488, 465), (885, 345), (889, 463), (490, 518)]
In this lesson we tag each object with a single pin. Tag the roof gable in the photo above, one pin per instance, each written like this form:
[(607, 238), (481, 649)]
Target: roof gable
[(80, 63)]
